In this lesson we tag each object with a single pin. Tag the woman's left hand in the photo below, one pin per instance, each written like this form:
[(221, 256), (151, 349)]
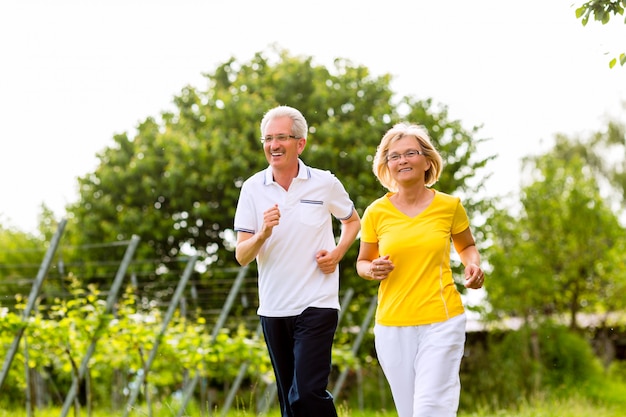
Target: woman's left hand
[(474, 277), (380, 268)]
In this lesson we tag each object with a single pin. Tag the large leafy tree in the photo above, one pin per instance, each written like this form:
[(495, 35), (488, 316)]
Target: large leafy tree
[(557, 256), (176, 181)]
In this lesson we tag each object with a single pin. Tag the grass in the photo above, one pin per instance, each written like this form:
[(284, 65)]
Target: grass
[(604, 398), (569, 407)]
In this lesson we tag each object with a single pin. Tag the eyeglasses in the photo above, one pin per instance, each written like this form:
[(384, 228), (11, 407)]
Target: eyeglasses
[(280, 138), (395, 157)]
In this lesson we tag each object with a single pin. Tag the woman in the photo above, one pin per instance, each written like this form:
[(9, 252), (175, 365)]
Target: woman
[(405, 245)]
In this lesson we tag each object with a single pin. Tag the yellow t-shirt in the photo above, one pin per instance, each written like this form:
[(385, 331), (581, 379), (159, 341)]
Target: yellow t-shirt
[(420, 289)]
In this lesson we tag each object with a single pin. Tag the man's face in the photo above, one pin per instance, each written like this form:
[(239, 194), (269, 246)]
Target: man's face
[(282, 153)]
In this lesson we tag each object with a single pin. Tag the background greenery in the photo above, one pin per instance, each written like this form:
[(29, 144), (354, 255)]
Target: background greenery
[(553, 256)]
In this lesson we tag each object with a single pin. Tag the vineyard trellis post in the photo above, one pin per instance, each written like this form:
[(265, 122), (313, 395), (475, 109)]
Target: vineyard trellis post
[(166, 321), (238, 380), (234, 290), (357, 343), (111, 299), (34, 293)]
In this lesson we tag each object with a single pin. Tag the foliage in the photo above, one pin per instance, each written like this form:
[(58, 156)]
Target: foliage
[(57, 340), (513, 367), (604, 152), (563, 242), (20, 256), (602, 11), (565, 357), (57, 343)]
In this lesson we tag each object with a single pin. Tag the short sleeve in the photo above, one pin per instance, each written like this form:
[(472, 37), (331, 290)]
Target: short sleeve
[(460, 221), (368, 231)]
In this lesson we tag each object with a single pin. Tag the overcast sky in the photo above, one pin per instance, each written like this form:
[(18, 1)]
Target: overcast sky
[(74, 73)]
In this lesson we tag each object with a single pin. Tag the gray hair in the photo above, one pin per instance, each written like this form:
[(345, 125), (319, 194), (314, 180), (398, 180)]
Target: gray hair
[(299, 128)]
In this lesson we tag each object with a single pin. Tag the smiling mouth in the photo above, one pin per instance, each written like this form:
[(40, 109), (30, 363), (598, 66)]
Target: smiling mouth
[(405, 169), (275, 154)]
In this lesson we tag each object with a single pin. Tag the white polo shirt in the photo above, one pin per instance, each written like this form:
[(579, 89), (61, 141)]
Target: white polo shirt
[(289, 278)]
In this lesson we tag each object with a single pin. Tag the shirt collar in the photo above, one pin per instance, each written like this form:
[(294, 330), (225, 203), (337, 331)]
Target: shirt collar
[(304, 172)]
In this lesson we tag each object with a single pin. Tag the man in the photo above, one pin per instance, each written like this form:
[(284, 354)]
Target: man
[(284, 221)]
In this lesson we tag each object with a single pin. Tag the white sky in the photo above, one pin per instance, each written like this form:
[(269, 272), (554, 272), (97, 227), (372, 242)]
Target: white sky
[(74, 73)]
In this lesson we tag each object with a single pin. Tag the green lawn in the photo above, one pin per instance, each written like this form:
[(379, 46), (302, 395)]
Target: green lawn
[(571, 407)]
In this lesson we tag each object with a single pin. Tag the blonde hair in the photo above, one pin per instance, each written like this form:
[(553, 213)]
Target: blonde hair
[(397, 132)]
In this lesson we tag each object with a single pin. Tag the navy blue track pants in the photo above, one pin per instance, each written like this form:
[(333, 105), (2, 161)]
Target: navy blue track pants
[(300, 348)]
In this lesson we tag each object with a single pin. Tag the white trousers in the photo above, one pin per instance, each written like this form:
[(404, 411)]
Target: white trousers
[(421, 364)]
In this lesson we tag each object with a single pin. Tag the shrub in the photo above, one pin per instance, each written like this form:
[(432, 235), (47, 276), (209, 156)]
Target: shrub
[(512, 367)]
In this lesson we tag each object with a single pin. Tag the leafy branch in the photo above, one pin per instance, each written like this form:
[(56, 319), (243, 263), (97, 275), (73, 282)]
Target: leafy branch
[(602, 11)]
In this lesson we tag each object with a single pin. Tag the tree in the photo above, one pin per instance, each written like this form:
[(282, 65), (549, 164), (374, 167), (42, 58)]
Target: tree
[(20, 257), (601, 11), (555, 256), (611, 143), (176, 182)]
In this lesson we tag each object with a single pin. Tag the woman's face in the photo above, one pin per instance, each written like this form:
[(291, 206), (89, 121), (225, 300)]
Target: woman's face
[(405, 165)]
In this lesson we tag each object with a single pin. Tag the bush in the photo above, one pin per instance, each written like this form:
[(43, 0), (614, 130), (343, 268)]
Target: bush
[(513, 367), (617, 371), (566, 357)]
